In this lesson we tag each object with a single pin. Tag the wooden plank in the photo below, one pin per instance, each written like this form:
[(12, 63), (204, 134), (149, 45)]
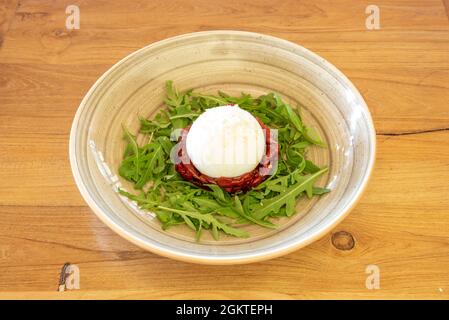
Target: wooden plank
[(207, 295), (110, 31)]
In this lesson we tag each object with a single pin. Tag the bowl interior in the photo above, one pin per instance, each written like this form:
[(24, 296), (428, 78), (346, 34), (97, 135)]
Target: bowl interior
[(233, 62)]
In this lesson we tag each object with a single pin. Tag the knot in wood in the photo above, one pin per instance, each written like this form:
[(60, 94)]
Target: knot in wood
[(343, 240)]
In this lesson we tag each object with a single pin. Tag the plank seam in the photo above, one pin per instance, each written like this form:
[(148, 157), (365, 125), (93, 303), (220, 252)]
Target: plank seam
[(409, 133)]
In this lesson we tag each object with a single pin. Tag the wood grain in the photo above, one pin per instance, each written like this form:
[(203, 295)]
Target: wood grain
[(7, 10), (401, 224)]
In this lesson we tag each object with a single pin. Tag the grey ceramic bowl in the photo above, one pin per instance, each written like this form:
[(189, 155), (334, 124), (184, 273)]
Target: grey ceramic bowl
[(231, 61)]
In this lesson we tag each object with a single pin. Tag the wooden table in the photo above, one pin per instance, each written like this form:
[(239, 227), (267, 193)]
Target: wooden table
[(401, 224)]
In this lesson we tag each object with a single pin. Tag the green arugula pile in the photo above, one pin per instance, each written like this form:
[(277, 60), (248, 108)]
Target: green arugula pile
[(176, 201)]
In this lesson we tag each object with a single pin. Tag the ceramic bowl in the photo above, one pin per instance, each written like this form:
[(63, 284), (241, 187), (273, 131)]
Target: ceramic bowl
[(230, 61)]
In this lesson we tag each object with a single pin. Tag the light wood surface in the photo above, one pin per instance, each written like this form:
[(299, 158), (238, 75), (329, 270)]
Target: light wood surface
[(401, 224)]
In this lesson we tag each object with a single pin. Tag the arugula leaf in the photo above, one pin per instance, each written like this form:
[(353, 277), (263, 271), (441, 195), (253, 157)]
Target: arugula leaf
[(135, 149), (219, 194), (319, 191), (174, 99), (275, 203), (212, 206), (216, 224), (311, 167), (155, 164), (294, 118), (311, 135), (238, 206)]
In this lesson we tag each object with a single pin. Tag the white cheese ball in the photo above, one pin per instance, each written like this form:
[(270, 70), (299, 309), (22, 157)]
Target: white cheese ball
[(225, 141)]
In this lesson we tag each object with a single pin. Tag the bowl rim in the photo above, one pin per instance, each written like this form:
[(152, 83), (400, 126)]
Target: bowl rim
[(241, 258)]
